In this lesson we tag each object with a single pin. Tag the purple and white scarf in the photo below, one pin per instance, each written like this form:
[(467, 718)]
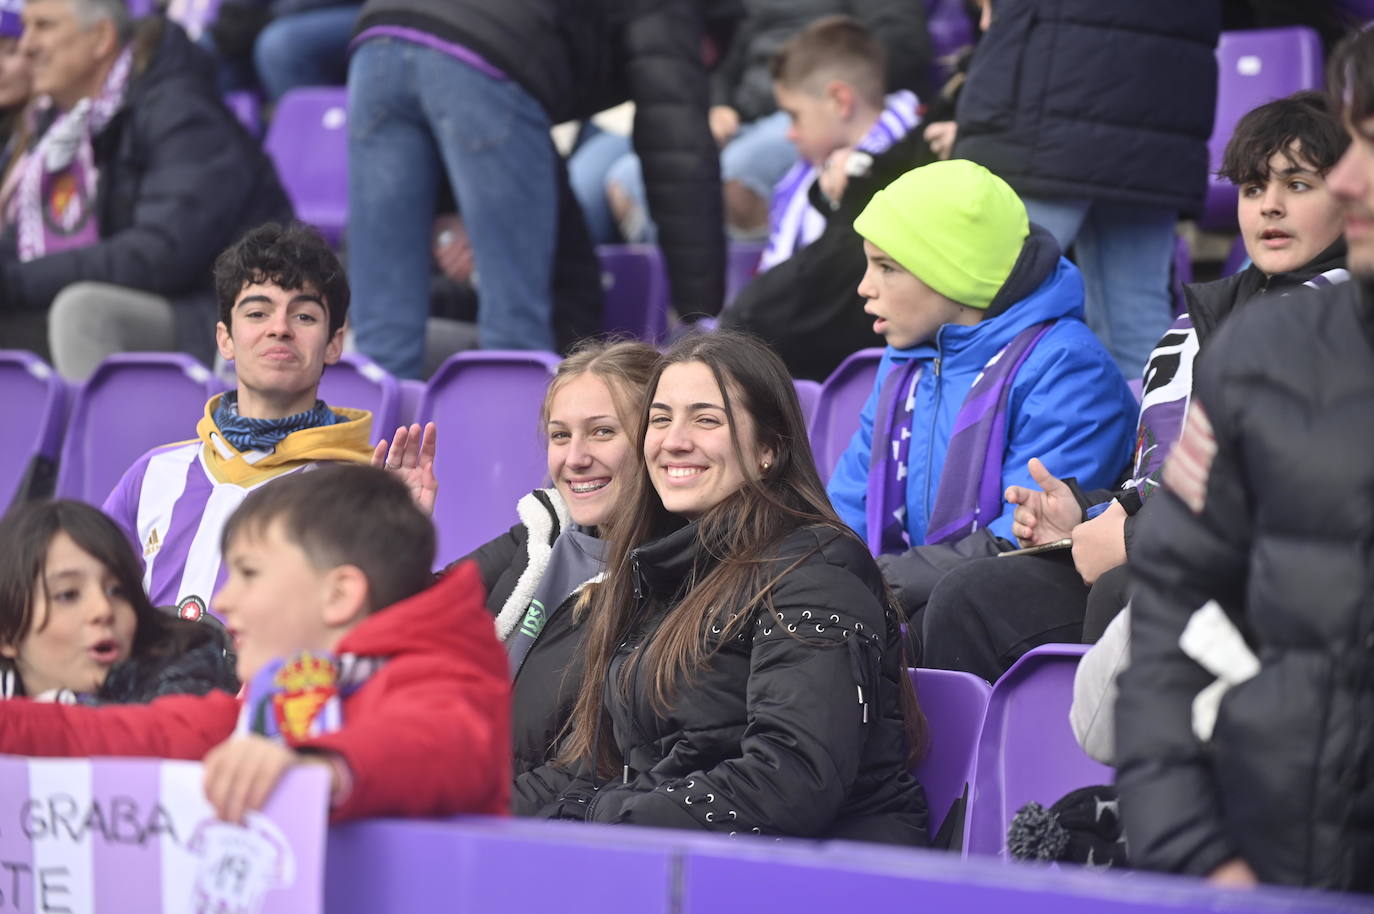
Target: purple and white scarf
[(970, 492), (793, 222), (53, 202)]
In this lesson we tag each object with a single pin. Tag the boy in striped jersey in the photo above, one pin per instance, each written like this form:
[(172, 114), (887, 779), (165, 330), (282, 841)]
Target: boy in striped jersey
[(283, 298)]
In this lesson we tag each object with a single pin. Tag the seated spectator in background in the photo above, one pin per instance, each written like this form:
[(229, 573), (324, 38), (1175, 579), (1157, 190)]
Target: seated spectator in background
[(283, 300), (828, 79), (1069, 102), (540, 575), (1245, 750), (988, 363), (280, 45), (75, 624), (138, 177), (467, 90), (1278, 156), (754, 655), (16, 84), (755, 151), (329, 569)]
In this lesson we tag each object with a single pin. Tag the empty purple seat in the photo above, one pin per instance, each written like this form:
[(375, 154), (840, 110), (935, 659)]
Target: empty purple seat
[(954, 704), (841, 400), (247, 108), (358, 382), (31, 412), (408, 406), (1253, 67), (742, 263), (636, 290), (133, 402), (950, 29), (808, 395), (308, 142), (1027, 750), (491, 450)]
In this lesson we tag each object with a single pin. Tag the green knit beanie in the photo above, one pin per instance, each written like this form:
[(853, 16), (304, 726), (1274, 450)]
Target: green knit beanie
[(954, 225)]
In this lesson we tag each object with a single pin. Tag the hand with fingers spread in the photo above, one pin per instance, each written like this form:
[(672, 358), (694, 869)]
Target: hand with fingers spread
[(241, 773), (411, 455), (1044, 516)]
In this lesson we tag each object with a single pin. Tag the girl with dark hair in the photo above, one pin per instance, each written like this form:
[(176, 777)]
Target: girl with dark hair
[(745, 669), (76, 624)]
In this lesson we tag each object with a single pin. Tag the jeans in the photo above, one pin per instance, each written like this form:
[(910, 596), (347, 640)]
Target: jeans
[(757, 157), (1124, 252), (305, 49), (416, 115)]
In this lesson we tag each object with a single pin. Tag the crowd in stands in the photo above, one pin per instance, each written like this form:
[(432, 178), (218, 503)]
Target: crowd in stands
[(691, 625)]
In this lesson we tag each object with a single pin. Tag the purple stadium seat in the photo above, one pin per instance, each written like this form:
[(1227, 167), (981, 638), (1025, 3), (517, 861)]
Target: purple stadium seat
[(1237, 260), (194, 16), (31, 410), (308, 142), (954, 704), (486, 406), (741, 266), (808, 394), (140, 8), (950, 29), (1027, 750), (247, 108), (134, 401), (1254, 66), (408, 406), (636, 290), (837, 410), (361, 383)]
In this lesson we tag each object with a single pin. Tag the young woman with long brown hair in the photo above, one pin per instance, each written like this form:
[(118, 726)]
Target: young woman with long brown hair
[(744, 660)]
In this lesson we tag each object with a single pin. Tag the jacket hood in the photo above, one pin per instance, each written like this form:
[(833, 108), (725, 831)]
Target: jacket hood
[(1058, 296), (437, 620), (1039, 256), (349, 441)]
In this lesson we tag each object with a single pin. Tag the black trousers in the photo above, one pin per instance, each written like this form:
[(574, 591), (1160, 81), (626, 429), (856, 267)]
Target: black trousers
[(986, 613)]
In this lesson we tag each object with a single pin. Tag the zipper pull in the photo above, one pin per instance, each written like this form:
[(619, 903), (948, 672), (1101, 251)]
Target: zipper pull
[(936, 366), (634, 572), (625, 775)]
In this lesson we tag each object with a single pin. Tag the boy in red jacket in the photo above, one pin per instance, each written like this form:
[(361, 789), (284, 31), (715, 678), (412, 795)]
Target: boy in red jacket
[(350, 660)]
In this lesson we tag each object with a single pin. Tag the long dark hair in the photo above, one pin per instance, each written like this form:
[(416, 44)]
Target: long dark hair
[(25, 535), (739, 534)]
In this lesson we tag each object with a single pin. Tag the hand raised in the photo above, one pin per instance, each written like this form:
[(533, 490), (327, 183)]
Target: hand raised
[(1044, 516), (410, 455)]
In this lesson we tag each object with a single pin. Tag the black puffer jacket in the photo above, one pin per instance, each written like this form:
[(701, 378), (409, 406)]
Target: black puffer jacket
[(1080, 98), (578, 57), (180, 180), (742, 80), (1283, 541), (770, 738)]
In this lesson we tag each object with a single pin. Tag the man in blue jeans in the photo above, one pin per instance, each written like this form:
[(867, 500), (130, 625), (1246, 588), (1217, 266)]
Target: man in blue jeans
[(465, 90), (1098, 115)]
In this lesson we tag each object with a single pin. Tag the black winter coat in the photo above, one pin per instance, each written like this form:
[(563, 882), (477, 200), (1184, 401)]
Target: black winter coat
[(771, 736), (1281, 536), (180, 180), (578, 58), (1080, 98), (808, 307)]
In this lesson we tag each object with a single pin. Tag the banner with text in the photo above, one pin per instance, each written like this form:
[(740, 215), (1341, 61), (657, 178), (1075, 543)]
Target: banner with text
[(84, 836)]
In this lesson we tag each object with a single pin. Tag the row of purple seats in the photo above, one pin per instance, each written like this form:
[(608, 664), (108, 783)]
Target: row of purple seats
[(488, 864)]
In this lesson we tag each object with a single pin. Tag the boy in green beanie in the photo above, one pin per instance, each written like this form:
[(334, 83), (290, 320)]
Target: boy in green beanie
[(988, 364)]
